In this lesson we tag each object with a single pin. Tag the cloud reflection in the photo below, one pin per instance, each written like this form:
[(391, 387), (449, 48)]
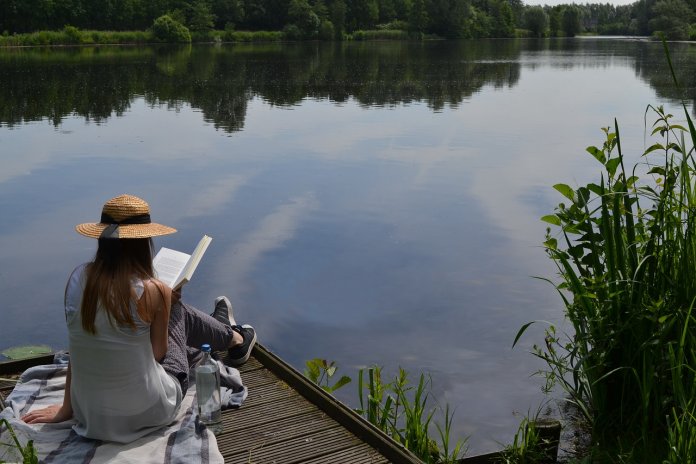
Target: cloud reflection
[(275, 229)]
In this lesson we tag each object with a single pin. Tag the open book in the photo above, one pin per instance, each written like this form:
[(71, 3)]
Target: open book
[(175, 268)]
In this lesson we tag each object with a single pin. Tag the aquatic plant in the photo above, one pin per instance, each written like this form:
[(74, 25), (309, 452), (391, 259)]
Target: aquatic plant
[(626, 250), (401, 410), (398, 409), (528, 445), (321, 371)]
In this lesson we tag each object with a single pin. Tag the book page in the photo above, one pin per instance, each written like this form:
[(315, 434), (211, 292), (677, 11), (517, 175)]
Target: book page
[(169, 264), (192, 264)]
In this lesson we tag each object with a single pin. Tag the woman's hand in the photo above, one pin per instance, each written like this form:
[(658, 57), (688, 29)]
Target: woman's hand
[(53, 413)]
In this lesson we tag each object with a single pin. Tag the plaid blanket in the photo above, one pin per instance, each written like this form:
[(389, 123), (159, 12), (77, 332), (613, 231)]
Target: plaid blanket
[(183, 441)]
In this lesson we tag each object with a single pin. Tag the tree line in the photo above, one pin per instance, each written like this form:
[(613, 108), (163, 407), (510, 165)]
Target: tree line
[(335, 19)]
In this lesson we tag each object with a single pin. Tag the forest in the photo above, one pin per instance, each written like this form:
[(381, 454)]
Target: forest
[(341, 19)]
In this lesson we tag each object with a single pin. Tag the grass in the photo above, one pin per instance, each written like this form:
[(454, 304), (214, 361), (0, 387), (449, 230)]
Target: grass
[(625, 248), (73, 36)]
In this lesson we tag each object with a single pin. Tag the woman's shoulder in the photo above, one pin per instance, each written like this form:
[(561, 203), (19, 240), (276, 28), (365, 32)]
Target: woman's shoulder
[(153, 296)]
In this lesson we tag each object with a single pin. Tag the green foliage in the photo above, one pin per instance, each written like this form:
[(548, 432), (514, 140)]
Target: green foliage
[(380, 35), (401, 411), (321, 372), (536, 20), (251, 36), (571, 21), (302, 16), (72, 34), (27, 453), (535, 442), (625, 248), (326, 30), (397, 408), (418, 20), (672, 18), (444, 18), (167, 29), (199, 17)]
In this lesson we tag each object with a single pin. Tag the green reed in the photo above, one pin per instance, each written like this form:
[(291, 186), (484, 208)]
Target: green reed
[(527, 446), (402, 411), (626, 252)]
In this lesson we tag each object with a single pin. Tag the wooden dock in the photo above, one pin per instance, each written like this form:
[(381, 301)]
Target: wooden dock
[(287, 419)]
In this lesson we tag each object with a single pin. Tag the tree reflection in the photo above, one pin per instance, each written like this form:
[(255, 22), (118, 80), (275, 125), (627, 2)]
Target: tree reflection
[(97, 83)]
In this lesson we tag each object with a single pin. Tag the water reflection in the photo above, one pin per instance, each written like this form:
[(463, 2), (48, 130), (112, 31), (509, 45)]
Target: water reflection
[(368, 202)]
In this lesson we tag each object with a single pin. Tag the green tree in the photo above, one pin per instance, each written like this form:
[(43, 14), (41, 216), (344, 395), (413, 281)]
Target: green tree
[(448, 17), (536, 20), (362, 14), (169, 30), (199, 17), (337, 15), (672, 17), (300, 14), (418, 17), (387, 11), (503, 19), (480, 24), (571, 20), (227, 12), (555, 20)]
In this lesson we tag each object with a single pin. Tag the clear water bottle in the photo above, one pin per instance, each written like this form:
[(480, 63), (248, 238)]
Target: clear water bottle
[(208, 391)]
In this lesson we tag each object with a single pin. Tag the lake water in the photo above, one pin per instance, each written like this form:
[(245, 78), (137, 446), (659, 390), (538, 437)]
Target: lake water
[(370, 203)]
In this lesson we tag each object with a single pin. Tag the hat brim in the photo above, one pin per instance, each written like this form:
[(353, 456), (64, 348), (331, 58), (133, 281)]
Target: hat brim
[(94, 230)]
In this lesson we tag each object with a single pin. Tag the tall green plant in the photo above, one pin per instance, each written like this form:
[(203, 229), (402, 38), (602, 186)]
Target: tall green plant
[(625, 248), (401, 410)]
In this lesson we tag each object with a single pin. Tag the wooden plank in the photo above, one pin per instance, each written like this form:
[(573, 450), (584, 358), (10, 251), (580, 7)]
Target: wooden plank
[(297, 449), (335, 409), (246, 438), (277, 424), (360, 454), (266, 413), (20, 365)]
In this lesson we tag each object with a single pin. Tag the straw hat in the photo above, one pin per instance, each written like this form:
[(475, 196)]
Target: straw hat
[(124, 216)]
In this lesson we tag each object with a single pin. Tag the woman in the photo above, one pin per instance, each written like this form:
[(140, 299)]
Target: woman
[(130, 337)]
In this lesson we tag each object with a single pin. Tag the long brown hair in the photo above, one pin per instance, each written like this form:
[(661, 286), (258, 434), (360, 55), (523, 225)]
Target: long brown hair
[(109, 276)]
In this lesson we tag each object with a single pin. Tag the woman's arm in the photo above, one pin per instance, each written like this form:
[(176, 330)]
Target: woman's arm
[(56, 412), (156, 304)]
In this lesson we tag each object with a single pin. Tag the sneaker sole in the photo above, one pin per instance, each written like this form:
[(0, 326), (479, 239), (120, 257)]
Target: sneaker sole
[(240, 361)]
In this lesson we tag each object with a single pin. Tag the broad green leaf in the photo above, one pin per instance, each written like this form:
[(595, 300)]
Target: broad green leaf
[(597, 153), (552, 219), (596, 189), (611, 165), (344, 380), (566, 191), (551, 243), (656, 146), (657, 170)]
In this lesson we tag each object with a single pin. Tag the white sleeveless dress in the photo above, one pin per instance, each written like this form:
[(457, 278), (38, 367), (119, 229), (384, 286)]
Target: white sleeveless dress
[(119, 392)]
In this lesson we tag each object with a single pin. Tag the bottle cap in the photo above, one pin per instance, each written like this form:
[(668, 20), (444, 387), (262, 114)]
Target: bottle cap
[(206, 348)]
